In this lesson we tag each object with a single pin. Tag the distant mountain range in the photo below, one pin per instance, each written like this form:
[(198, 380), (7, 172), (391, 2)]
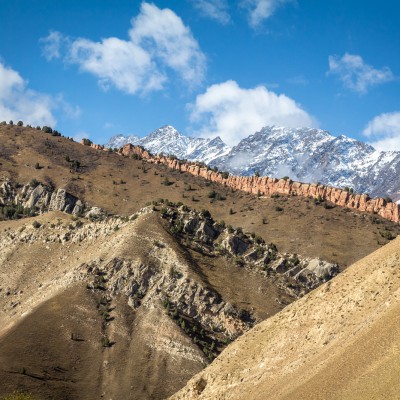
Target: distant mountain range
[(303, 154), (168, 140)]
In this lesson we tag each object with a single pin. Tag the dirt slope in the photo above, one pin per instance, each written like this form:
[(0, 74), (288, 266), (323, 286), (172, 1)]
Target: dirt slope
[(123, 185), (116, 307), (341, 341), (52, 327)]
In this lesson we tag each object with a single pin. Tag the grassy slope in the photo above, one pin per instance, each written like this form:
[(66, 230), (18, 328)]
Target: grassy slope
[(302, 227)]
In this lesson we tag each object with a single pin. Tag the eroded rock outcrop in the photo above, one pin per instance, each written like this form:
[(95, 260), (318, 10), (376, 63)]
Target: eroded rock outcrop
[(294, 274), (265, 186), (34, 198)]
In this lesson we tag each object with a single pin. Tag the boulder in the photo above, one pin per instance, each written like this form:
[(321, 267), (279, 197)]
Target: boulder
[(235, 245), (62, 201), (206, 232), (280, 265), (323, 270), (78, 208), (37, 198), (191, 225), (94, 212)]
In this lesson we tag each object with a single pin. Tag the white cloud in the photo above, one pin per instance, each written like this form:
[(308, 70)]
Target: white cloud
[(51, 45), (163, 34), (158, 43), (384, 131), (215, 9), (234, 113), (117, 62), (356, 74), (260, 10), (17, 102)]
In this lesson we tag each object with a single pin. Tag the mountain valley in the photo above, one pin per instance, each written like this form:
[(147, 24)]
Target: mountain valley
[(124, 278)]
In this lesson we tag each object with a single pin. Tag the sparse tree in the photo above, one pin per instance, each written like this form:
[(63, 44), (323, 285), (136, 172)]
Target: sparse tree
[(47, 129), (87, 142)]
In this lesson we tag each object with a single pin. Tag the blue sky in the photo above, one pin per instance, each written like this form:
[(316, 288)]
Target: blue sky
[(100, 68)]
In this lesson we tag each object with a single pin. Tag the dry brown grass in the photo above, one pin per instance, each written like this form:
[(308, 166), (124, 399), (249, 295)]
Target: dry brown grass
[(36, 351), (337, 235)]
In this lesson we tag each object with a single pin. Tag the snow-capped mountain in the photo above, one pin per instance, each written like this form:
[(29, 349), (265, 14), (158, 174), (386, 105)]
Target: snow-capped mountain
[(168, 140), (118, 141), (303, 154), (314, 155)]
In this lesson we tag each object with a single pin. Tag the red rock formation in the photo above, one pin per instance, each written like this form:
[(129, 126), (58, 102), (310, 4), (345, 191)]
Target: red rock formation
[(129, 149), (98, 147), (265, 186)]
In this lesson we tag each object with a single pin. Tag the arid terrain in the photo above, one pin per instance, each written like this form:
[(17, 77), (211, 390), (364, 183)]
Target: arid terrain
[(122, 186), (158, 272), (341, 341)]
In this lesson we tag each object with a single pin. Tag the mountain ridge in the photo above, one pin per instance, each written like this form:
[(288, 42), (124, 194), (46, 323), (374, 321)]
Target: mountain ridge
[(121, 301), (266, 186), (168, 140), (303, 154)]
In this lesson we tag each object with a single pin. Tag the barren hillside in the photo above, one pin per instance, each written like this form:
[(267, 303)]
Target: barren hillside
[(123, 185), (132, 307), (339, 342), (72, 322), (121, 301)]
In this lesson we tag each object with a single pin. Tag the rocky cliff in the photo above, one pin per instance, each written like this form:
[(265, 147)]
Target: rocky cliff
[(265, 186), (292, 273), (34, 198)]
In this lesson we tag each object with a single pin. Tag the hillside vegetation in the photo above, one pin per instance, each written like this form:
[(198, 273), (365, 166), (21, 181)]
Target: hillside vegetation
[(122, 186)]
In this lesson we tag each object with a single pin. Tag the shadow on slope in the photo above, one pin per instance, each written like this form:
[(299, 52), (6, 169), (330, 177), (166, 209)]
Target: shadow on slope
[(340, 341), (116, 308)]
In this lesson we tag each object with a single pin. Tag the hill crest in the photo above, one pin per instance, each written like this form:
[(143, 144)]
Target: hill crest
[(262, 186)]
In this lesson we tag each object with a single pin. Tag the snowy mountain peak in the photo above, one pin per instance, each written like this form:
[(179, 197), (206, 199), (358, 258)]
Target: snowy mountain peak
[(169, 140), (118, 141), (304, 154), (165, 132), (314, 155)]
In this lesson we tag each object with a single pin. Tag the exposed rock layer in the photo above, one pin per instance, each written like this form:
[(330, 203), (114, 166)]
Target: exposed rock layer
[(38, 198), (265, 186)]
